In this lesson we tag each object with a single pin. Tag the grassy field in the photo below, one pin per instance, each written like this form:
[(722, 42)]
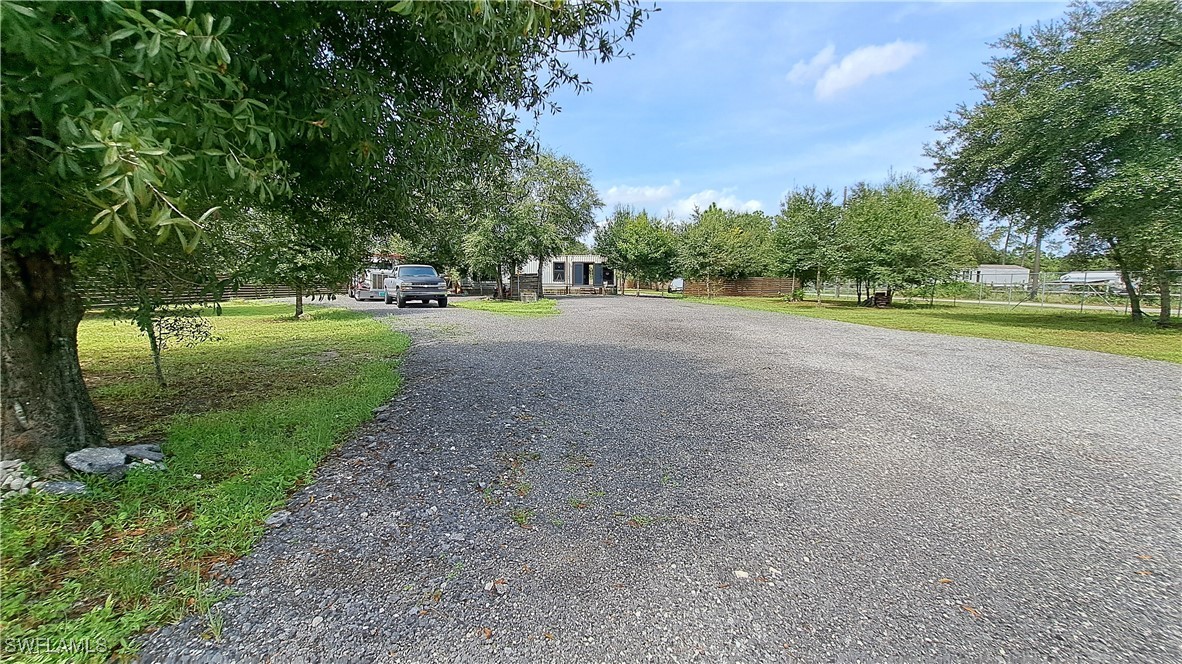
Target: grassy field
[(1089, 330), (244, 420), (513, 307)]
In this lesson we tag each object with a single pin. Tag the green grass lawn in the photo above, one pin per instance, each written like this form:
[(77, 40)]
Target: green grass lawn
[(537, 309), (244, 420), (1090, 330)]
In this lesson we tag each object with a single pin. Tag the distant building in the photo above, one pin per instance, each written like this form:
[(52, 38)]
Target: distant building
[(997, 275), (573, 273)]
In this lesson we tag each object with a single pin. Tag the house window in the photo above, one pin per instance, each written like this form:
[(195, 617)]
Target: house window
[(559, 272)]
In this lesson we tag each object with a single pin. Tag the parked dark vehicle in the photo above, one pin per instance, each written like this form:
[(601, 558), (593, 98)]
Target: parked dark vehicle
[(416, 282)]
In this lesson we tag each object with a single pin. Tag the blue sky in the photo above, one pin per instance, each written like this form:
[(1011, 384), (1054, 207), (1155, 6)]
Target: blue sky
[(738, 103)]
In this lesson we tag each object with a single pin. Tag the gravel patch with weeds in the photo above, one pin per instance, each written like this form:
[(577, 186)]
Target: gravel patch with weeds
[(655, 479)]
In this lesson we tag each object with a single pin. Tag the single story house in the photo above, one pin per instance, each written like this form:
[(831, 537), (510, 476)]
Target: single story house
[(573, 273), (997, 275)]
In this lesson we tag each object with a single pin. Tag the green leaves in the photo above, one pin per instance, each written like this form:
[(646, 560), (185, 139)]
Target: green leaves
[(805, 235), (144, 134), (1075, 117), (724, 244), (637, 244)]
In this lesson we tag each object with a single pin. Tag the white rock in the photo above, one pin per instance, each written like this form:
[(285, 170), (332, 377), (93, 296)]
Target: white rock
[(317, 621), (741, 574)]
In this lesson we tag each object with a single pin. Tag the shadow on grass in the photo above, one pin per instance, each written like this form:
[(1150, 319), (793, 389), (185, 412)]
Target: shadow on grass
[(1065, 320), (1043, 319), (259, 357), (239, 309)]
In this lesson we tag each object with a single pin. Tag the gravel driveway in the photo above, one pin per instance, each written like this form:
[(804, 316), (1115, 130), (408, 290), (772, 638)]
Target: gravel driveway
[(703, 483)]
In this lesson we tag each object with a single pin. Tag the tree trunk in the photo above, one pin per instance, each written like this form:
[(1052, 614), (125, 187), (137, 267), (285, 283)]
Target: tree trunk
[(1005, 252), (1035, 277), (818, 285), (299, 302), (1127, 278), (1163, 287), (154, 344), (541, 291), (46, 410)]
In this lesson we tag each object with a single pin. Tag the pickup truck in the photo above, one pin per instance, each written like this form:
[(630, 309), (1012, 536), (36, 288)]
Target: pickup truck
[(415, 282)]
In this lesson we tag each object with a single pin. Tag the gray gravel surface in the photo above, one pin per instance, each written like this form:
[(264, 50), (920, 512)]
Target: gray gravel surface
[(712, 484)]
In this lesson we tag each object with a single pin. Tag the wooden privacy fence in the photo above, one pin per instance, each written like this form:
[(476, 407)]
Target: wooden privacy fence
[(515, 285), (750, 287)]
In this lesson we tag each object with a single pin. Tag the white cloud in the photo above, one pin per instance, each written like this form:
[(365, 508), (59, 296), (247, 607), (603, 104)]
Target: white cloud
[(803, 72), (684, 207), (855, 68), (640, 196), (865, 63)]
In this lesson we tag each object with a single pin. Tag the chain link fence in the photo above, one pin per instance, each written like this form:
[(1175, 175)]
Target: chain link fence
[(1082, 290)]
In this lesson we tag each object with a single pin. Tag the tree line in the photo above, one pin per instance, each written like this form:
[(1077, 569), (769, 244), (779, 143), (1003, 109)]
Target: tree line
[(894, 235), (1078, 133)]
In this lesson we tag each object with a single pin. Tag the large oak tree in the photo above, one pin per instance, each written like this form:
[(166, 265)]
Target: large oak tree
[(135, 120), (1080, 123)]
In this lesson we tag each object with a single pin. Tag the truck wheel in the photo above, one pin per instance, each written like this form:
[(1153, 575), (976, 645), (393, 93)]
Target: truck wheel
[(442, 302), (401, 302), (388, 300)]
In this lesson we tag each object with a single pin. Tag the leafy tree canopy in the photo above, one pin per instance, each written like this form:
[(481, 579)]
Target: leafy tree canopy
[(805, 235), (128, 121), (724, 244), (637, 244), (1080, 123)]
